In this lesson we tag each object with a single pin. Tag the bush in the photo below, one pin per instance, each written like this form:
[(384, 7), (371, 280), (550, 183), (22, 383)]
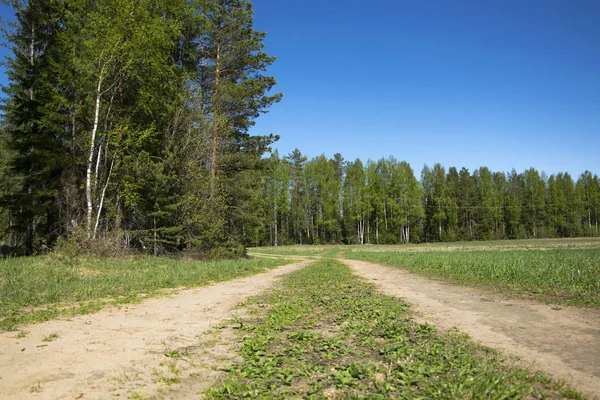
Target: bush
[(67, 251), (224, 251)]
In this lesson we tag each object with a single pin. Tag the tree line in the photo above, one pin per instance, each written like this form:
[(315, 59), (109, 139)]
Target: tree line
[(325, 200), (127, 121)]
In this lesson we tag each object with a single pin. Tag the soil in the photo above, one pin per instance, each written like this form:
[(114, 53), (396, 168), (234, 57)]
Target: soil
[(562, 341), (136, 350)]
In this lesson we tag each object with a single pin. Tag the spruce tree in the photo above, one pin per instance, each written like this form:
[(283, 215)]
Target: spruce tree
[(33, 124)]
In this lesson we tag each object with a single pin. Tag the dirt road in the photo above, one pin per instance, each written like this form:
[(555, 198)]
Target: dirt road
[(166, 347), (562, 341), (141, 348)]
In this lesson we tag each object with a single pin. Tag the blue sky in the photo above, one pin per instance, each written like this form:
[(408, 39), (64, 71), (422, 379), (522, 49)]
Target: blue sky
[(501, 83)]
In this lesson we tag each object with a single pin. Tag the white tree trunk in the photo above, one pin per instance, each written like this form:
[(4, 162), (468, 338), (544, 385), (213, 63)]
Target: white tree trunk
[(88, 175), (102, 199)]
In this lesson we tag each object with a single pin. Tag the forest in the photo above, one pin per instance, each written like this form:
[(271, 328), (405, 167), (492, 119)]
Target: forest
[(125, 125), (321, 201)]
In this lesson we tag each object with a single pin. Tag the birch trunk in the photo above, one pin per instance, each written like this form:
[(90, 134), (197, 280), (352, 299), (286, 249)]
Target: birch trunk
[(101, 204), (90, 163)]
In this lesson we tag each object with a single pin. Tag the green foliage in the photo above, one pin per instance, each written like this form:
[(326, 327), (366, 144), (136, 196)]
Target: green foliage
[(132, 117), (328, 334), (322, 200), (356, 203), (32, 127)]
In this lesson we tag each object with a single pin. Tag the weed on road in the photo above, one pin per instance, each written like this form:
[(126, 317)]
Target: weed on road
[(328, 334)]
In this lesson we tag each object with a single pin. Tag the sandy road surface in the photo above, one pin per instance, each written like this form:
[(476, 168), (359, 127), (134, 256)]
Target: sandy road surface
[(120, 351), (562, 341)]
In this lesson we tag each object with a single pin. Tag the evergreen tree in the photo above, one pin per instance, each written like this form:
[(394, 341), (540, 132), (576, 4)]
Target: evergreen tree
[(452, 179), (513, 209), (32, 123), (297, 194), (145, 106), (276, 185), (9, 184), (428, 185)]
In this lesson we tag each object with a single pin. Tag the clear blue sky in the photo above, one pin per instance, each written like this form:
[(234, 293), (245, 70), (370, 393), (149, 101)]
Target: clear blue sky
[(501, 83)]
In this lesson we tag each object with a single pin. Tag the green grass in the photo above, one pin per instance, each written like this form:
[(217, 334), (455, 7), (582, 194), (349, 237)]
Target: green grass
[(39, 288), (295, 250), (562, 271), (565, 276), (500, 245), (51, 337), (328, 334)]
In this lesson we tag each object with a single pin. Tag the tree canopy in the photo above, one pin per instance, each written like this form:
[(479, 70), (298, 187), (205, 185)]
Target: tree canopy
[(128, 122), (129, 119)]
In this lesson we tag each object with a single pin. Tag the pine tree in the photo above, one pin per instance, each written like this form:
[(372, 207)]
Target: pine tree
[(452, 206), (32, 124), (9, 184), (297, 194), (512, 215), (231, 65)]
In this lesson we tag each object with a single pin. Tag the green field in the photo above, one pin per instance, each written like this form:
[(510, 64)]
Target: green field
[(564, 271), (327, 334), (39, 288), (499, 245)]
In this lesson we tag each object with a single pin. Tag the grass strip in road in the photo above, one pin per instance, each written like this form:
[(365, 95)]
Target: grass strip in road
[(327, 334), (564, 276), (35, 289), (295, 250)]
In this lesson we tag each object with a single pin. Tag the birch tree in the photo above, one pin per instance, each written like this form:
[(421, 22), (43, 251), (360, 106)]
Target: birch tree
[(356, 202)]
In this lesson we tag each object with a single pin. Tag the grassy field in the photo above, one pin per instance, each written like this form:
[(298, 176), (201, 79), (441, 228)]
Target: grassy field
[(39, 288), (559, 276), (496, 245), (562, 271), (327, 334)]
